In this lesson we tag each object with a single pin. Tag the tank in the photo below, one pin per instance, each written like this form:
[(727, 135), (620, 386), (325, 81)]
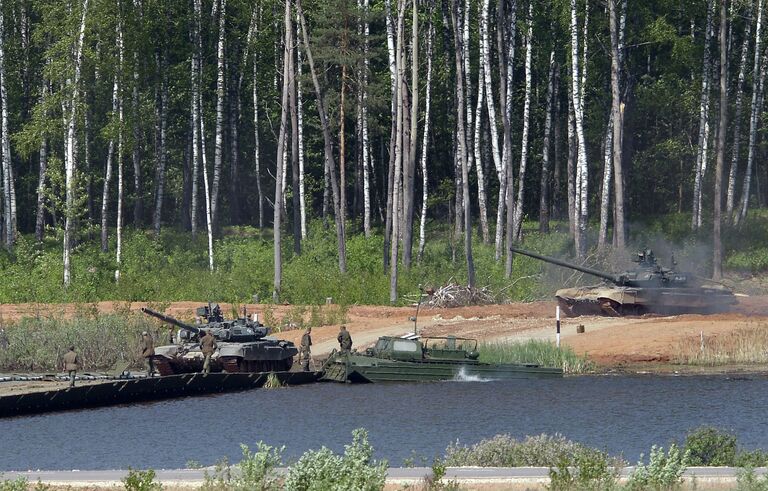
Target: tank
[(648, 288), (243, 345), (425, 359)]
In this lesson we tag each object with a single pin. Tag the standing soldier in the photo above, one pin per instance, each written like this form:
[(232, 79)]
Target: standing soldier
[(306, 352), (148, 351), (207, 346), (345, 340), (71, 364), (170, 335)]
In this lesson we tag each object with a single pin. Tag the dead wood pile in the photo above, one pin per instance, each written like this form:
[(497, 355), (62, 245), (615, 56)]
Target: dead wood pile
[(455, 295)]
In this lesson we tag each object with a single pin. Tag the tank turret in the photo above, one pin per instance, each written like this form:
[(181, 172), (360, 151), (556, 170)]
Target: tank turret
[(647, 288), (243, 345)]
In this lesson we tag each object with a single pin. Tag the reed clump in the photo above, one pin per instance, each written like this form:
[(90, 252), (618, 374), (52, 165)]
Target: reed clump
[(743, 346), (100, 340), (543, 353)]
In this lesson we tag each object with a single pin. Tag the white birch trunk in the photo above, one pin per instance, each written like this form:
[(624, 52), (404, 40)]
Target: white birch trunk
[(196, 111), (506, 76), (9, 190), (425, 140), (43, 174), (758, 72), (256, 142), (120, 190), (300, 110), (581, 167), (160, 178), (219, 143), (277, 217), (481, 195), (206, 187), (518, 218), (605, 191), (70, 164), (400, 130), (731, 190), (701, 155), (367, 154)]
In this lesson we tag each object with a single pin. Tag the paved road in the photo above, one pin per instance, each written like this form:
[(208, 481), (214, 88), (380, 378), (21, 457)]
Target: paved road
[(532, 475)]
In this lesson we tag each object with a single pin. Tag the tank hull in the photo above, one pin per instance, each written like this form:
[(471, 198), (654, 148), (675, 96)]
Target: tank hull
[(620, 300), (356, 368), (265, 355)]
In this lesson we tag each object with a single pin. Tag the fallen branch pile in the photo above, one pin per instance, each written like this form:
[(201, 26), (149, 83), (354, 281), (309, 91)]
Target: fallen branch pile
[(455, 295)]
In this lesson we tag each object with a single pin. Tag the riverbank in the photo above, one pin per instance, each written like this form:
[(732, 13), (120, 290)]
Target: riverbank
[(398, 478), (638, 344)]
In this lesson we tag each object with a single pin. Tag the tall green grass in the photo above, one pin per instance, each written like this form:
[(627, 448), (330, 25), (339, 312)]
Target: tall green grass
[(543, 353)]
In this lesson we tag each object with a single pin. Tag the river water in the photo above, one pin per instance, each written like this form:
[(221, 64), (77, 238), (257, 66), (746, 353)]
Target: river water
[(621, 414)]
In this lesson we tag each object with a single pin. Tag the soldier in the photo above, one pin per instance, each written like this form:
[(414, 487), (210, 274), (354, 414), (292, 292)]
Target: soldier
[(345, 340), (207, 346), (306, 352), (170, 335), (148, 351), (71, 364)]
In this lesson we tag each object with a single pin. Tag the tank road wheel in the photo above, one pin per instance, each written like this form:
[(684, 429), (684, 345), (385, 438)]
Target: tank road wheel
[(162, 365), (230, 364), (287, 364), (567, 307), (610, 307)]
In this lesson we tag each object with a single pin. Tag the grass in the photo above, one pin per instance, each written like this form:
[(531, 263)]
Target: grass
[(747, 345), (543, 353)]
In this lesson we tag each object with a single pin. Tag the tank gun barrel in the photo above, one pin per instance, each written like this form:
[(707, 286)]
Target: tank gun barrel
[(616, 279), (170, 320)]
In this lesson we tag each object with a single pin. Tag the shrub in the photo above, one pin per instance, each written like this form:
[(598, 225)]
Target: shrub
[(18, 484), (587, 471), (747, 480), (504, 451), (258, 469), (664, 470), (322, 470), (543, 353), (141, 481), (707, 446)]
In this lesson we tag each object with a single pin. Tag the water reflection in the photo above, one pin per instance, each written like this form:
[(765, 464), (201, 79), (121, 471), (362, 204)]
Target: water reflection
[(619, 414)]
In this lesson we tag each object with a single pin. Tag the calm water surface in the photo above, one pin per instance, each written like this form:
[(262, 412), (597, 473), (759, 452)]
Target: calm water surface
[(620, 414)]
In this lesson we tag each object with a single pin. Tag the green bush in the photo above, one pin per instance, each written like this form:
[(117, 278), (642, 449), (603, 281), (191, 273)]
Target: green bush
[(18, 484), (588, 471), (707, 446), (322, 470), (664, 470), (141, 481), (505, 451), (747, 480), (258, 469)]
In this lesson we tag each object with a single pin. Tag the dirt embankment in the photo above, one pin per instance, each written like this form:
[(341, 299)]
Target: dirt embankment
[(609, 341)]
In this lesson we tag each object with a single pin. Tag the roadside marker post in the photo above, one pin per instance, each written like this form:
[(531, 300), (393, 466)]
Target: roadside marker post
[(557, 316)]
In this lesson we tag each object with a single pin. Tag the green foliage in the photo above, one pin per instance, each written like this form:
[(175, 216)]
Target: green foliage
[(708, 446), (748, 480), (18, 484), (505, 451), (141, 481), (543, 353), (664, 470), (258, 469), (322, 470), (586, 471), (38, 343), (273, 382), (434, 482)]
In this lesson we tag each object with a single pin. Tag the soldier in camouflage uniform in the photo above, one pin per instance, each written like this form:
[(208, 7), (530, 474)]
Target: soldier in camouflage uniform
[(147, 352), (306, 351), (345, 340), (71, 364), (207, 346)]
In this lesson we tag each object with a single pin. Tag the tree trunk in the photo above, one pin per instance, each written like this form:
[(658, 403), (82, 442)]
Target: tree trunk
[(731, 191), (366, 144), (617, 111), (162, 154), (758, 72), (410, 171), (70, 164), (9, 189), (481, 194), (279, 156), (291, 62), (399, 150), (518, 218), (328, 148), (717, 260), (196, 110), (219, 143), (393, 129), (138, 204), (43, 174), (425, 137), (120, 189), (506, 73), (544, 185), (581, 168), (256, 146), (300, 120), (461, 152), (116, 106), (701, 155)]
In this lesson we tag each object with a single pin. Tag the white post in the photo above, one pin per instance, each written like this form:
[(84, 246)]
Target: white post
[(557, 316)]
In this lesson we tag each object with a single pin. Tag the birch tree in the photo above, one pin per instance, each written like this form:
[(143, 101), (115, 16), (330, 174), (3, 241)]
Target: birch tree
[(425, 136), (399, 150), (277, 220), (162, 147), (410, 172), (717, 261), (544, 183), (758, 75), (703, 141), (70, 162), (581, 211), (219, 143), (518, 217), (116, 109), (9, 189)]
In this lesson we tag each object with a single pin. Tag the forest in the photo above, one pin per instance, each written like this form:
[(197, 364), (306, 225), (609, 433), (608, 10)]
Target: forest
[(380, 119)]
